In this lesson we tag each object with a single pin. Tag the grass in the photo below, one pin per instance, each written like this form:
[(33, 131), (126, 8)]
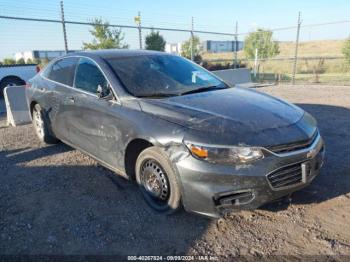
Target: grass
[(326, 78)]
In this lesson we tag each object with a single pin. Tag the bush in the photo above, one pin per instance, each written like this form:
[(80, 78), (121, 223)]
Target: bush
[(346, 50)]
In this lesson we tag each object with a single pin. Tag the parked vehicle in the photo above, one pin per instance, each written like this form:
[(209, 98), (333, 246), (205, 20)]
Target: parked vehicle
[(183, 134), (16, 74)]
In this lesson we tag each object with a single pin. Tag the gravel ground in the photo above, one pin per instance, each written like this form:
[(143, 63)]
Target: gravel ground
[(55, 200)]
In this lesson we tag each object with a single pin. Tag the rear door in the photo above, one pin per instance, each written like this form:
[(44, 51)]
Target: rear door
[(58, 85)]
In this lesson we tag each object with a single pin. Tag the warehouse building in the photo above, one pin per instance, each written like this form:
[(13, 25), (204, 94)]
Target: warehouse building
[(211, 46), (40, 54)]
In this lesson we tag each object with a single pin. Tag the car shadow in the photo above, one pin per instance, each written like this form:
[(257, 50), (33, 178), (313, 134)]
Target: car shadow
[(334, 180), (75, 209)]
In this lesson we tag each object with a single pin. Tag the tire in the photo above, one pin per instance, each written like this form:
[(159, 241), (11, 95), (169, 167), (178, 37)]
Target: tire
[(10, 81), (42, 129), (154, 168)]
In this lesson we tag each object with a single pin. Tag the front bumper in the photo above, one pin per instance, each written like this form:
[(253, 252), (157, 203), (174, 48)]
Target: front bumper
[(213, 190)]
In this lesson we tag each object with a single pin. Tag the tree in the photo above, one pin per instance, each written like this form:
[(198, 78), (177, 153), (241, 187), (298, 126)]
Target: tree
[(186, 49), (9, 61), (346, 50), (155, 41), (44, 61), (29, 61), (316, 67), (20, 61), (105, 37), (261, 40), (37, 61)]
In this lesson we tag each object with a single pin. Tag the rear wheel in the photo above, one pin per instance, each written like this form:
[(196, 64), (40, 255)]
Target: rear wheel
[(157, 180), (41, 126), (10, 81)]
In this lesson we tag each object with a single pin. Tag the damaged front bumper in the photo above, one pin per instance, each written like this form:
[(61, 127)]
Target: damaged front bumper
[(212, 190)]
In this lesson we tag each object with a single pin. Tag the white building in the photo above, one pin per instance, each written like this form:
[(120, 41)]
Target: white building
[(211, 46), (173, 48), (39, 54)]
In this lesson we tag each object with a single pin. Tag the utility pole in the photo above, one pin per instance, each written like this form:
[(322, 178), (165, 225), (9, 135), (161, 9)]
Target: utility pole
[(64, 28), (192, 55), (236, 46), (138, 21), (296, 49)]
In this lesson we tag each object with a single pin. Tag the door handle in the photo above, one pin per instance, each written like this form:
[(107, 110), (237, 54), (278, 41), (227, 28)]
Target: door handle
[(71, 100)]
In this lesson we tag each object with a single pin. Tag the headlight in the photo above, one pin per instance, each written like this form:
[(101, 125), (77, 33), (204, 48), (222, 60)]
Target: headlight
[(230, 155)]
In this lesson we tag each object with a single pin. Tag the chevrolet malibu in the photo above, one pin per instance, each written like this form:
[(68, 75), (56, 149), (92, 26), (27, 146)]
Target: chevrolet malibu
[(184, 135)]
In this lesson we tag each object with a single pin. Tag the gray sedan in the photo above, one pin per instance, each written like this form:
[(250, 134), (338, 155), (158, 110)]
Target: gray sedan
[(186, 137)]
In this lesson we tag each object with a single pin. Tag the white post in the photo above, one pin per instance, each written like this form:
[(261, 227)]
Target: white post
[(256, 62)]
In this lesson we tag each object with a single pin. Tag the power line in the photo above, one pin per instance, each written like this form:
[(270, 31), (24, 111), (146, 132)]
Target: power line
[(303, 26)]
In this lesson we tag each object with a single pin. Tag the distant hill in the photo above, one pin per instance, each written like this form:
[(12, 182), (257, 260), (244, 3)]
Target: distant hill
[(324, 48)]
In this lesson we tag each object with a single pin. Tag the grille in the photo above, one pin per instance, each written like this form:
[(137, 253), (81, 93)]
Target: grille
[(293, 146), (286, 176)]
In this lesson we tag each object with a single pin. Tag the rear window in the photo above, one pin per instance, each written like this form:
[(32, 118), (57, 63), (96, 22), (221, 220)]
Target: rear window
[(62, 71)]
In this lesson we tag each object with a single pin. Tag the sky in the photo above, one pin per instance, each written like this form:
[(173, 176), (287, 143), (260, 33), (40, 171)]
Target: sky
[(219, 16)]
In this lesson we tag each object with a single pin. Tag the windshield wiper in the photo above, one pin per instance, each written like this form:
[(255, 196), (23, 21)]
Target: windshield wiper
[(202, 89), (157, 95), (198, 90)]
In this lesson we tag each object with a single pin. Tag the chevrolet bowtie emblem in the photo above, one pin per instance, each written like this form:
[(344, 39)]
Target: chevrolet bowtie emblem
[(311, 153)]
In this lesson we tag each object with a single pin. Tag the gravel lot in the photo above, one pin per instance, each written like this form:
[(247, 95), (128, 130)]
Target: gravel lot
[(55, 200)]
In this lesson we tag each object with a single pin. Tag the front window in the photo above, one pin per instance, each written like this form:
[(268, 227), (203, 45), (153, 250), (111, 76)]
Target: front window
[(162, 75), (88, 77)]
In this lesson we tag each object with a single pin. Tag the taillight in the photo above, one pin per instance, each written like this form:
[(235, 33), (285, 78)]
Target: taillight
[(37, 69)]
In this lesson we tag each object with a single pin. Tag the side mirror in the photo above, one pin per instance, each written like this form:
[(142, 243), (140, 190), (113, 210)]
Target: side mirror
[(104, 95), (99, 91)]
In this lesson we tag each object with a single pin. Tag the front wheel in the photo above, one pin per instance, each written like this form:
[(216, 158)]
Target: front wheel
[(41, 126), (157, 180)]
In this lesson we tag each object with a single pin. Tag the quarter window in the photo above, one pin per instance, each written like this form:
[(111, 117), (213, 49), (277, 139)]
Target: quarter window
[(88, 77), (62, 71)]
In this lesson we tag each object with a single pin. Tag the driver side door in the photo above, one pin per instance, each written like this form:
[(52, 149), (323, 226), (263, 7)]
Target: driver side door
[(92, 124)]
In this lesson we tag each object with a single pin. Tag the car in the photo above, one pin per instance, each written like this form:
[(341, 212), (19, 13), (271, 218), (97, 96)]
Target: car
[(185, 136), (16, 75)]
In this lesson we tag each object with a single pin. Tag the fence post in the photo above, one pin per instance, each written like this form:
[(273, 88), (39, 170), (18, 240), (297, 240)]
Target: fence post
[(140, 32), (296, 49), (192, 55), (64, 28), (256, 62), (236, 46)]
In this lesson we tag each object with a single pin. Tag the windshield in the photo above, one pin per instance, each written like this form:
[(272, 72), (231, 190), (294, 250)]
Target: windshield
[(162, 75)]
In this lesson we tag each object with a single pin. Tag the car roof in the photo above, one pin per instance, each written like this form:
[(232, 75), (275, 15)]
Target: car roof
[(114, 53)]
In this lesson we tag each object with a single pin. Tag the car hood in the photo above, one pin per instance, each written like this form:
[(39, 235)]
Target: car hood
[(233, 111)]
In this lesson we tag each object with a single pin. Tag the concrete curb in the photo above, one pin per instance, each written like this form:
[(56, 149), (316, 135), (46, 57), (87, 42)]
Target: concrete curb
[(16, 106)]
